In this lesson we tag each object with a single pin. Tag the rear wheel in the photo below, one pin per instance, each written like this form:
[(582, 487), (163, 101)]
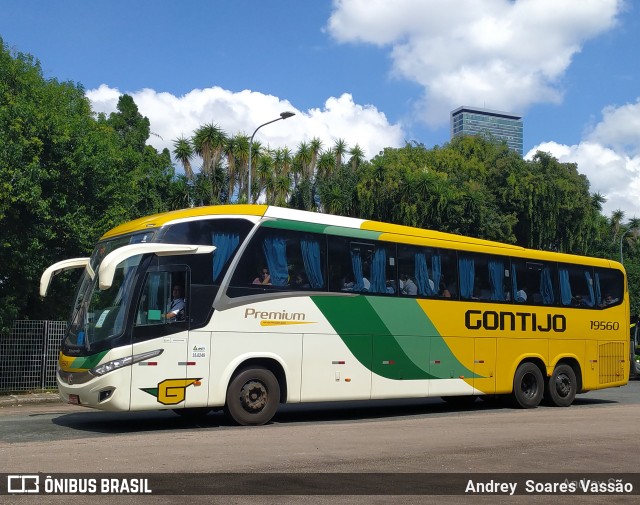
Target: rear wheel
[(253, 397), (528, 386), (562, 386)]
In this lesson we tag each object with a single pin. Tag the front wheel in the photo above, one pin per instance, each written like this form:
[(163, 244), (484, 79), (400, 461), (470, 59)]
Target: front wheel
[(253, 397), (562, 386), (528, 386)]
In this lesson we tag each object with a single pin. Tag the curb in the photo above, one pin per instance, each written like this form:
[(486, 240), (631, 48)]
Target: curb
[(29, 398)]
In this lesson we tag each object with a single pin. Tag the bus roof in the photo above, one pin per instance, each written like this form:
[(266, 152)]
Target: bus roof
[(379, 230)]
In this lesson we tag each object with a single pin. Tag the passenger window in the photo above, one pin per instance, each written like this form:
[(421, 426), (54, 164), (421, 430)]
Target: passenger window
[(533, 282), (609, 287), (576, 286), (362, 267), (427, 272), (281, 259), (225, 234), (484, 277)]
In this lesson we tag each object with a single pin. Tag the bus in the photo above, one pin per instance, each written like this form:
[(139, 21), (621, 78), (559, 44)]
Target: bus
[(287, 306)]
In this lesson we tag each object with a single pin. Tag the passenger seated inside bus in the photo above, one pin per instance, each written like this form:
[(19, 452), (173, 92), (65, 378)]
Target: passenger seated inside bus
[(608, 300), (521, 295), (263, 278), (300, 281)]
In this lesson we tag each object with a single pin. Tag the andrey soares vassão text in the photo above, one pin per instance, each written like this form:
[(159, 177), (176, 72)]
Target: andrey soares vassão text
[(580, 486)]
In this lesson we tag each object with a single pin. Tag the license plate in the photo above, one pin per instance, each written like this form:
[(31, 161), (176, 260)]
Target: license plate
[(74, 400)]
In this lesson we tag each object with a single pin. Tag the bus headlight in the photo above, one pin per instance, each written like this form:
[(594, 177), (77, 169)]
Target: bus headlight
[(116, 364), (110, 366)]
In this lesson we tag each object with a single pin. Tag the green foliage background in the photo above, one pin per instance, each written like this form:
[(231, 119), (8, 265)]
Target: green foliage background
[(67, 175)]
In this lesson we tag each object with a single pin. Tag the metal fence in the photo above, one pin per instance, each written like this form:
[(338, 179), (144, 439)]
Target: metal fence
[(29, 355)]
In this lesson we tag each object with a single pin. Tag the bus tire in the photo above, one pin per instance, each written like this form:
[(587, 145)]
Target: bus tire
[(528, 386), (562, 386), (253, 397)]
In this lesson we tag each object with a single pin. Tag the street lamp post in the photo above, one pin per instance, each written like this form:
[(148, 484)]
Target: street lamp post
[(283, 115)]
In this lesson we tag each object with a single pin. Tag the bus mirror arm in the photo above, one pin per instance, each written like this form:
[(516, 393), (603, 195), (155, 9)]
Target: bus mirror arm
[(113, 259), (57, 268)]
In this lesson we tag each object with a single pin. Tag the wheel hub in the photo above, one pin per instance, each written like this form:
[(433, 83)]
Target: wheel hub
[(563, 385), (253, 396)]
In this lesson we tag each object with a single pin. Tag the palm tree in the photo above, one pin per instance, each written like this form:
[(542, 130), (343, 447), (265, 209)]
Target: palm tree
[(183, 152), (209, 141), (357, 157), (616, 223), (232, 174), (339, 148), (241, 156), (264, 173), (316, 146), (326, 163), (305, 156), (597, 199)]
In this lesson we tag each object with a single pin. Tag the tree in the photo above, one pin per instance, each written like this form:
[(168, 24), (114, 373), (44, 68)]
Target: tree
[(65, 178), (183, 152), (209, 142)]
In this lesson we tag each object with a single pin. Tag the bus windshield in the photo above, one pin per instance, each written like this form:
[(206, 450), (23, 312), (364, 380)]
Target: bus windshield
[(99, 315)]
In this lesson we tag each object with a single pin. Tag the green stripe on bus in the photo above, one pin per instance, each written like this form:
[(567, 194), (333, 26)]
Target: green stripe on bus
[(356, 322), (88, 362), (303, 226), (352, 233), (405, 338), (418, 336), (339, 231)]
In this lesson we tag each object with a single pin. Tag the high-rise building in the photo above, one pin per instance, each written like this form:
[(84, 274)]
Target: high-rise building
[(491, 123)]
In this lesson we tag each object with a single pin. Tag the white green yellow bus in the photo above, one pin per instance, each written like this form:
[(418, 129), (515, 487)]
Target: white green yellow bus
[(287, 306)]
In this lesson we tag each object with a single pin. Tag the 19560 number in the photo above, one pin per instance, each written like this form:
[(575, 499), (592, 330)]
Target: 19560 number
[(605, 325)]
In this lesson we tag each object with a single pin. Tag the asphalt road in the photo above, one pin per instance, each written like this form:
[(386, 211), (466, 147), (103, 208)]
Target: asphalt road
[(599, 433)]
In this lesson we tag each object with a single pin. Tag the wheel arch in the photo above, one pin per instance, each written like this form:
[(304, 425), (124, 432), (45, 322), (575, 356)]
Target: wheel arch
[(271, 364), (536, 360)]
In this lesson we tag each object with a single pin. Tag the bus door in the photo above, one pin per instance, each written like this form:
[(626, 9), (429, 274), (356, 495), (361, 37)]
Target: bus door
[(161, 331)]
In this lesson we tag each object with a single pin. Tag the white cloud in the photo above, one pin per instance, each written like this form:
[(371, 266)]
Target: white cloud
[(505, 54), (610, 158), (172, 117)]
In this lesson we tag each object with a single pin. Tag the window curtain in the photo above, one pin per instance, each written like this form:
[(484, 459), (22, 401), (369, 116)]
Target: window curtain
[(467, 275), (496, 279), (275, 252), (356, 263), (312, 263), (378, 271), (436, 271), (598, 292), (565, 287), (591, 301), (226, 244), (422, 274), (514, 283), (546, 286)]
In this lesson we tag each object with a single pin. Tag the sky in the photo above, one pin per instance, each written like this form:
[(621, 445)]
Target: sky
[(376, 73)]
